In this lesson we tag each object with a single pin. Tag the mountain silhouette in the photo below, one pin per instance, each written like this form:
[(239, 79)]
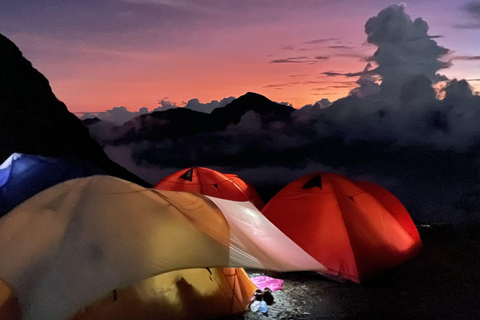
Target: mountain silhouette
[(182, 122), (34, 121), (268, 110)]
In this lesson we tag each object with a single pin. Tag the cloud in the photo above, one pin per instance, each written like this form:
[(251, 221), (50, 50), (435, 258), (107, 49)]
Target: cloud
[(164, 105), (410, 39), (366, 71), (293, 60), (322, 57), (466, 58), (116, 115), (397, 58), (196, 105), (322, 40), (472, 9), (340, 47)]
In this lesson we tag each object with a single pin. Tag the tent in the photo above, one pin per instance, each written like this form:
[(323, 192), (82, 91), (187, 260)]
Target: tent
[(356, 230), (74, 243), (23, 175), (211, 183), (393, 205), (183, 294)]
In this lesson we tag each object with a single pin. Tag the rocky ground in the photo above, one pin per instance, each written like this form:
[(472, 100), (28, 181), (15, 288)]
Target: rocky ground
[(443, 282)]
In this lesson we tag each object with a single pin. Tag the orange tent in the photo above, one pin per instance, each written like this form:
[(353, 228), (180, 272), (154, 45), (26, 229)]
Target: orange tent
[(355, 229), (211, 183)]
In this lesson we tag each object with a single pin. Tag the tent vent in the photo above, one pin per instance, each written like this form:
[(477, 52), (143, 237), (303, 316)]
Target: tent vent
[(314, 182), (187, 175), (215, 185)]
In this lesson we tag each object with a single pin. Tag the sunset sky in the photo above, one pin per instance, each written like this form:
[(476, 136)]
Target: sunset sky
[(103, 54)]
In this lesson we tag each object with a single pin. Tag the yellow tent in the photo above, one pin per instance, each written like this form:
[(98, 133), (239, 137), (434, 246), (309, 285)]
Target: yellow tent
[(176, 295), (73, 244), (184, 294)]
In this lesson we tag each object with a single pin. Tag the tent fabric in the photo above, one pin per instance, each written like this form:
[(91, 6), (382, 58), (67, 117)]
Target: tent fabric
[(9, 305), (178, 295), (74, 243), (393, 205), (249, 189), (211, 183), (23, 175), (343, 225)]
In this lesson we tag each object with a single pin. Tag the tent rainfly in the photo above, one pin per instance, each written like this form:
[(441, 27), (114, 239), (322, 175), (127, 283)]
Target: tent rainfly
[(211, 183), (355, 229), (74, 243)]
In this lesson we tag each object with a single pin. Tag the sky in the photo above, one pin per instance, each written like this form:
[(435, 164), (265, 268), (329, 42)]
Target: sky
[(99, 55)]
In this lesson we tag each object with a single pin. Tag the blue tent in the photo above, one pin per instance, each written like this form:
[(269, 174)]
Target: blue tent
[(22, 176)]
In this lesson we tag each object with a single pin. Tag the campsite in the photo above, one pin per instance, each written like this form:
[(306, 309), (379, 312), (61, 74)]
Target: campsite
[(336, 178)]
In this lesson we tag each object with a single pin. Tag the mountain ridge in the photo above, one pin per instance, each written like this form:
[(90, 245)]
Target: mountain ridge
[(34, 121)]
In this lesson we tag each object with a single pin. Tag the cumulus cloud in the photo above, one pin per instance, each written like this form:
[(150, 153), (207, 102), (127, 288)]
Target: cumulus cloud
[(196, 105), (116, 115), (398, 58), (164, 105)]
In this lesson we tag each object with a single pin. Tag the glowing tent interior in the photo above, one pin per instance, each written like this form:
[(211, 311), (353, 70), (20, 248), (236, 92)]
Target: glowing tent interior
[(356, 230), (211, 183), (74, 243)]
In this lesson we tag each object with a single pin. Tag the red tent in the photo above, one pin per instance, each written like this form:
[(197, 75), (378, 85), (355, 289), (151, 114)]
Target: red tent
[(355, 229), (211, 183)]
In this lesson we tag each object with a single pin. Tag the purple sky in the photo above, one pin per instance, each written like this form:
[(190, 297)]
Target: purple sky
[(103, 54)]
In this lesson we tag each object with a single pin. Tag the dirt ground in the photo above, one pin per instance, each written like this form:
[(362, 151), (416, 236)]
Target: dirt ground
[(443, 282)]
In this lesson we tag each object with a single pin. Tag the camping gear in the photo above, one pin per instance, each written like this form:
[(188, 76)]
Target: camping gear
[(263, 282), (352, 229), (211, 183)]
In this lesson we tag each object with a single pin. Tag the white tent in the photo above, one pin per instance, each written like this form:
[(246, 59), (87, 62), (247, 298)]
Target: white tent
[(74, 243)]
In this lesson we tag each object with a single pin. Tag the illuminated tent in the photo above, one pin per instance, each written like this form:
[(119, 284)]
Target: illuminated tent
[(225, 290), (184, 294), (393, 205), (23, 175), (356, 230), (211, 183), (74, 243)]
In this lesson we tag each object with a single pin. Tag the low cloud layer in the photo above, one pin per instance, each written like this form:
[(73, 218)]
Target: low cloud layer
[(120, 115)]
